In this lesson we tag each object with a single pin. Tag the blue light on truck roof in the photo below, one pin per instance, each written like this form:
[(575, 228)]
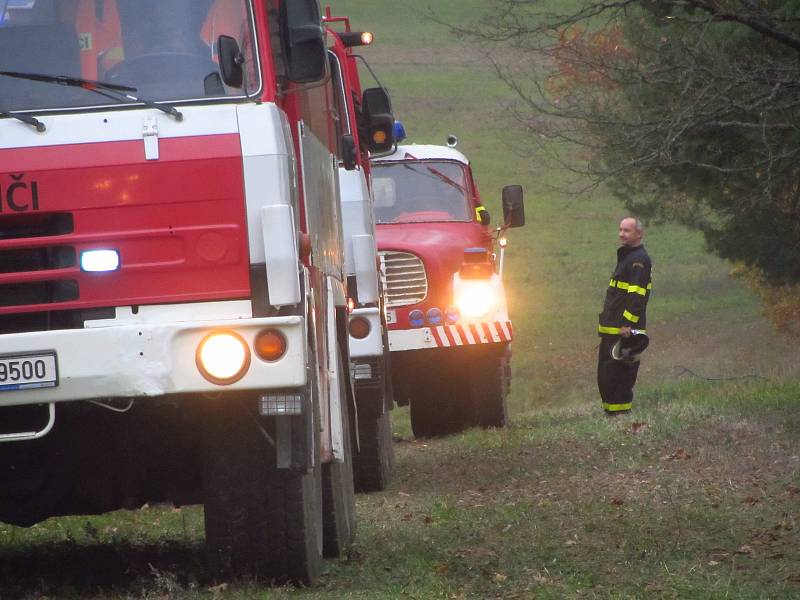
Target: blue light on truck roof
[(399, 131)]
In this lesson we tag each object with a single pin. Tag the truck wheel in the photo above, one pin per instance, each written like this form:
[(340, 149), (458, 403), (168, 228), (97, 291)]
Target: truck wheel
[(374, 462), (435, 407), (338, 495), (261, 522), (490, 391)]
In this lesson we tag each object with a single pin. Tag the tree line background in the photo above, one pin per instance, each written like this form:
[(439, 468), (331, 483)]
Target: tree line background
[(688, 110)]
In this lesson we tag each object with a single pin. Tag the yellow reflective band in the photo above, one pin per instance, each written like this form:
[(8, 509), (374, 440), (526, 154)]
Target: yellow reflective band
[(615, 407), (623, 285), (614, 330), (478, 210), (609, 330), (630, 316)]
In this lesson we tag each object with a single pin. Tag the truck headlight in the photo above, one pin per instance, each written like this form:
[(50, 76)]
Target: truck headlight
[(99, 261), (359, 327), (223, 357), (475, 298)]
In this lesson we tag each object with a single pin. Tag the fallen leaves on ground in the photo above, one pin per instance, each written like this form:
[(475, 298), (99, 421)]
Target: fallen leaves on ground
[(679, 454)]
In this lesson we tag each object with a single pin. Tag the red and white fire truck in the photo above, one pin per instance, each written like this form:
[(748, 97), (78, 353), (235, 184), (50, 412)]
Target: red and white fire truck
[(368, 126), (449, 329), (173, 313)]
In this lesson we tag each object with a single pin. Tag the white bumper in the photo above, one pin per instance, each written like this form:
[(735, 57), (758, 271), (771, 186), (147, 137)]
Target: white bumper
[(448, 336), (130, 357)]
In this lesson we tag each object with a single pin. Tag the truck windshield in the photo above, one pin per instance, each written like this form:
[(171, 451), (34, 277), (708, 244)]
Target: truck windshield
[(420, 191), (164, 49)]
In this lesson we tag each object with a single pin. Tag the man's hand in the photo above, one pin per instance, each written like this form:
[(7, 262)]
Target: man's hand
[(625, 331)]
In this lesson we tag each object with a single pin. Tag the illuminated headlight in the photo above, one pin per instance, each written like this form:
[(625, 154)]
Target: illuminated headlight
[(223, 357), (99, 261), (475, 298)]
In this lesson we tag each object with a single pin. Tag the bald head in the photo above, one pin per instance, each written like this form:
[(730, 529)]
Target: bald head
[(631, 232)]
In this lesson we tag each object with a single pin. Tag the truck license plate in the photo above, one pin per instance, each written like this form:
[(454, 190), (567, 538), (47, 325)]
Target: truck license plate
[(26, 371)]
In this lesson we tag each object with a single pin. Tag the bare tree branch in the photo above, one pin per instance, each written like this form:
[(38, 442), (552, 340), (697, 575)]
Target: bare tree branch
[(688, 109)]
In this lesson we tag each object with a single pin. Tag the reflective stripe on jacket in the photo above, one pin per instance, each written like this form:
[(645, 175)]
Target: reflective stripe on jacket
[(628, 292)]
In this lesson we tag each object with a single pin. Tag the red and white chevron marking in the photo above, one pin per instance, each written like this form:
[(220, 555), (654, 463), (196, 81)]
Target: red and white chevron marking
[(492, 332)]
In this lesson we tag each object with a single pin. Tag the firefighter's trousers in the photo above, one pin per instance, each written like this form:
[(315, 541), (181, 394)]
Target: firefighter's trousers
[(615, 378)]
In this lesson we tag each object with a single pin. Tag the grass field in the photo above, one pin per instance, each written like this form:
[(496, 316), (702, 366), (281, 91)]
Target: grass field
[(695, 495)]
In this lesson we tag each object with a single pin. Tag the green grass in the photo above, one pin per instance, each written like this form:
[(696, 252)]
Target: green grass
[(696, 495), (409, 24)]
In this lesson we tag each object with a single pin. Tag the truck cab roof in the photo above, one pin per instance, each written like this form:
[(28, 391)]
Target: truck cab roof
[(423, 152)]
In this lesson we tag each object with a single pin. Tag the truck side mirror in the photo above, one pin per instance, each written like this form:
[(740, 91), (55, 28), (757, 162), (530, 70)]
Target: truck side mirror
[(513, 208), (349, 152), (230, 61), (380, 121), (303, 40)]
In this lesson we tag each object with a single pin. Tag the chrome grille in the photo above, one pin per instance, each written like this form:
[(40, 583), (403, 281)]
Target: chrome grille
[(403, 277)]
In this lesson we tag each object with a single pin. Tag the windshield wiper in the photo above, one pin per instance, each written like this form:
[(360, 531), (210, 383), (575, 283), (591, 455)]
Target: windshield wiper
[(25, 119), (114, 91), (436, 172)]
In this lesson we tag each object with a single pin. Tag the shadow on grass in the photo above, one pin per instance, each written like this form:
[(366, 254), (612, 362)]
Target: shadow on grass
[(66, 569)]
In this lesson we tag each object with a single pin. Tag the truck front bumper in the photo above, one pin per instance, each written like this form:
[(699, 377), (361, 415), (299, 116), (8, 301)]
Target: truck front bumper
[(149, 357), (449, 336)]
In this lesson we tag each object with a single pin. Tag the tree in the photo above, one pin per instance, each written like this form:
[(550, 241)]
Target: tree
[(689, 110)]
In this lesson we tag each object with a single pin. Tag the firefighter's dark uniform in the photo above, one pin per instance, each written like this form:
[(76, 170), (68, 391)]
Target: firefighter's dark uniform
[(625, 305)]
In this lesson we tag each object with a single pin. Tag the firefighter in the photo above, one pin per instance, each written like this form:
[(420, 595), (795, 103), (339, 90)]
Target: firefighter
[(624, 309)]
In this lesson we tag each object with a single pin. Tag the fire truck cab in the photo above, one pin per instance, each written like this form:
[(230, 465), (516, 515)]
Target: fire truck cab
[(449, 330), (173, 298), (368, 127)]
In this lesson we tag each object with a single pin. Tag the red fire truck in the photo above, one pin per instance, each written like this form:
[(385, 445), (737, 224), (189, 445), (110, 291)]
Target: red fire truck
[(368, 125), (449, 330), (173, 313)]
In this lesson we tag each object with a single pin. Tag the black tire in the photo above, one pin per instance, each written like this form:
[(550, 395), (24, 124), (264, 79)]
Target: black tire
[(338, 494), (36, 475), (374, 462), (261, 522), (490, 391), (435, 407)]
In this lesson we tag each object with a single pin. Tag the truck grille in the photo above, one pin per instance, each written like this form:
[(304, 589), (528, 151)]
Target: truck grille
[(403, 277), (38, 270), (24, 260), (35, 225), (19, 258)]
